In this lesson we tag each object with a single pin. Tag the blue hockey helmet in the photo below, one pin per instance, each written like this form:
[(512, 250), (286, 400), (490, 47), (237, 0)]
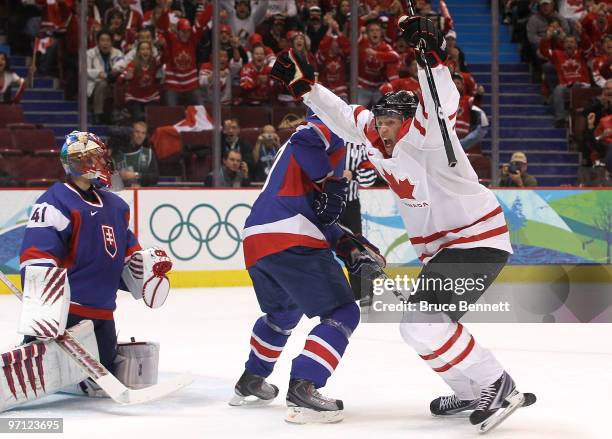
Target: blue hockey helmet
[(85, 155)]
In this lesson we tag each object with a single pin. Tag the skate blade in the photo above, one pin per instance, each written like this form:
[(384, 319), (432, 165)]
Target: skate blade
[(302, 415), (249, 401), (515, 400)]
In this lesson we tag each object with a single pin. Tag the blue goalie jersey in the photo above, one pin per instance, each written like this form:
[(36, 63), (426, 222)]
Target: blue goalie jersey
[(91, 239), (282, 216)]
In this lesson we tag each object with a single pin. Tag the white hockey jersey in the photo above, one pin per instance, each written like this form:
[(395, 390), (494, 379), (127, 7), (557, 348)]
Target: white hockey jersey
[(441, 207)]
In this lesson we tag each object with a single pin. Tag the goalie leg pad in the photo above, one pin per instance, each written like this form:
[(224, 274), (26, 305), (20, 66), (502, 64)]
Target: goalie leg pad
[(46, 299), (136, 364), (41, 368)]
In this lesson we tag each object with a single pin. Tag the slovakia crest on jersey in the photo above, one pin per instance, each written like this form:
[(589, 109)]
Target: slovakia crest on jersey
[(110, 244)]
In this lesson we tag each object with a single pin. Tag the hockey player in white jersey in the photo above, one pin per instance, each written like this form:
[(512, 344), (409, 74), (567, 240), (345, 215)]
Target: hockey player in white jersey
[(456, 225)]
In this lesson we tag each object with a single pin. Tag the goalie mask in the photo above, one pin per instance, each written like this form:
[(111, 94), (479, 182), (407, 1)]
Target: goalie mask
[(402, 104), (85, 155)]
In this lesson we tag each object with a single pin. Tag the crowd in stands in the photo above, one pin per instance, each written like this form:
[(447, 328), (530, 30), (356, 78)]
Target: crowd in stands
[(568, 44), (144, 53)]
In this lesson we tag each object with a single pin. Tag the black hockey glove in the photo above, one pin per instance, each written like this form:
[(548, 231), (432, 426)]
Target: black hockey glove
[(294, 72), (330, 200), (416, 29), (360, 256)]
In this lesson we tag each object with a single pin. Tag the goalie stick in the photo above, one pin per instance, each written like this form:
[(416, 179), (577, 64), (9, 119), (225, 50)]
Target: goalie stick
[(114, 388), (448, 146)]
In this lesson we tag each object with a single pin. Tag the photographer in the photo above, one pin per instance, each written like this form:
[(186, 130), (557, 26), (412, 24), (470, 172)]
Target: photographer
[(514, 174), (233, 173), (266, 147)]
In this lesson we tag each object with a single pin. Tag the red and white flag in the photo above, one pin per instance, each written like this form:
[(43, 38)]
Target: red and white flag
[(167, 139)]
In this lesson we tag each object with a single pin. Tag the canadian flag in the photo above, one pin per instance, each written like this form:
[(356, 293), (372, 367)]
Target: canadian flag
[(167, 139)]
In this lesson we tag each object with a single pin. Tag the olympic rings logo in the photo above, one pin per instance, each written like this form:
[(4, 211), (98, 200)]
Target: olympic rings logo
[(196, 234)]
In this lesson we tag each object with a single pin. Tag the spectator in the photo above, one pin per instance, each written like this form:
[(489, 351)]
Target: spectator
[(342, 16), (244, 17), (142, 77), (256, 39), (515, 173), (600, 106), (231, 140), (406, 56), (537, 27), (378, 63), (595, 26), (144, 35), (131, 18), (255, 82), (601, 64), (472, 123), (181, 81), (103, 62), (275, 38), (233, 173), (571, 70), (8, 79), (231, 44), (595, 151), (136, 161), (264, 153), (451, 45), (410, 82), (299, 44), (538, 23), (205, 79), (123, 38), (331, 57), (316, 27)]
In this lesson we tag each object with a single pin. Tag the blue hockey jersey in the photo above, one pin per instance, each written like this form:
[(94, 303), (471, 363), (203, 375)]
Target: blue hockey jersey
[(90, 239), (282, 216)]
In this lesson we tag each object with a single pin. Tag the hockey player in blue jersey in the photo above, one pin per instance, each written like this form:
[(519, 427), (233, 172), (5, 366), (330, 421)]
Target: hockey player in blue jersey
[(79, 232), (288, 241)]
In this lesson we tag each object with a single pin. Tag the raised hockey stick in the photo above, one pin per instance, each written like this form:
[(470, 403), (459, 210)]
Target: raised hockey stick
[(101, 376), (380, 274), (448, 146)]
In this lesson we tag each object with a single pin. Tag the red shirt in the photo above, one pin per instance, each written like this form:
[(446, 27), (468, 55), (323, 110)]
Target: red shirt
[(332, 67), (180, 57), (409, 84), (601, 70), (462, 127), (253, 90), (378, 68), (144, 85), (570, 68)]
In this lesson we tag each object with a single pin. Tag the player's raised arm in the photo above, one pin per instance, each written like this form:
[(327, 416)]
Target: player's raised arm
[(345, 120)]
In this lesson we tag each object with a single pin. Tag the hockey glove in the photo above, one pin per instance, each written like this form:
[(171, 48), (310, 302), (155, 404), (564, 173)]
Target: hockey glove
[(294, 72), (361, 257), (420, 32), (145, 276), (330, 199)]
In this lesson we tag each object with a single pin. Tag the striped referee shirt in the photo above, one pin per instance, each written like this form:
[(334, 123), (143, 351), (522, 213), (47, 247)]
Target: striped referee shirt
[(364, 174)]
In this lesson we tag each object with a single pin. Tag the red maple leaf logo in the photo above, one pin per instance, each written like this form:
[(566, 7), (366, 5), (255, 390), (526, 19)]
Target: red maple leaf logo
[(402, 188)]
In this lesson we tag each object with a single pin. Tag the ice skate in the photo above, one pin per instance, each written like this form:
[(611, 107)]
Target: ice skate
[(253, 390), (497, 402), (451, 405), (306, 405)]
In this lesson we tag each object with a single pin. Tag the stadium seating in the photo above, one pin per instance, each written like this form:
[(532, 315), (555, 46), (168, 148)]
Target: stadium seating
[(11, 114), (579, 98), (159, 116), (30, 141)]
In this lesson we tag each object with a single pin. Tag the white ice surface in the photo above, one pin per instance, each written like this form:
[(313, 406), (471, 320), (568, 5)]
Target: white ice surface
[(386, 388)]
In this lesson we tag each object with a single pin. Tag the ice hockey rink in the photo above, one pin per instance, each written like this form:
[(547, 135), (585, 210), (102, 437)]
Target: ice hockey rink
[(386, 388)]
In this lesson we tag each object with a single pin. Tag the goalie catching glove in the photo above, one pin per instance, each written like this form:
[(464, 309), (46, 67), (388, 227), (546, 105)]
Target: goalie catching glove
[(416, 29), (145, 276), (294, 72), (360, 256)]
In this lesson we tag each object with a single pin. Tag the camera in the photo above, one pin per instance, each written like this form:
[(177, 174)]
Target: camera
[(514, 168)]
